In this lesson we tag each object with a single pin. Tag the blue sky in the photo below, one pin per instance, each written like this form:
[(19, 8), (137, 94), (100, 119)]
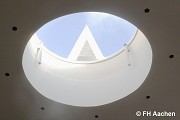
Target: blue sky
[(109, 31)]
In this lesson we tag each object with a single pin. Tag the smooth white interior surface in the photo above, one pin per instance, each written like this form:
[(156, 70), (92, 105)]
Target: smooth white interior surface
[(88, 84)]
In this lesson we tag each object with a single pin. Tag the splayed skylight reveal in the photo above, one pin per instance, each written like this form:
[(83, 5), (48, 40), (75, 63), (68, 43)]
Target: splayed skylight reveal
[(82, 58)]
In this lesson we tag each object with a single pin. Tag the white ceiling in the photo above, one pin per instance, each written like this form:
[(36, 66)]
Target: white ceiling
[(20, 101)]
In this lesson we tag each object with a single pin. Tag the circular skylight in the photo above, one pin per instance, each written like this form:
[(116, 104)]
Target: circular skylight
[(86, 36)]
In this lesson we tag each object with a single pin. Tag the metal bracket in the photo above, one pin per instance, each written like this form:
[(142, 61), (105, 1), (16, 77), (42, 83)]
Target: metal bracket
[(127, 54), (39, 54)]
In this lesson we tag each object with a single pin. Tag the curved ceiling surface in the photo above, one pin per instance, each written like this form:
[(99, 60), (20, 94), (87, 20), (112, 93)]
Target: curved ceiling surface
[(88, 85)]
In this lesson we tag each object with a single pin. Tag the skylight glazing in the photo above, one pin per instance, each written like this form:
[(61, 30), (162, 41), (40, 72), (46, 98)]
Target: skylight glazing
[(109, 32)]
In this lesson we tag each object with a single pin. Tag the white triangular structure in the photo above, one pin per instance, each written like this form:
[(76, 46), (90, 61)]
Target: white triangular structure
[(86, 48)]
